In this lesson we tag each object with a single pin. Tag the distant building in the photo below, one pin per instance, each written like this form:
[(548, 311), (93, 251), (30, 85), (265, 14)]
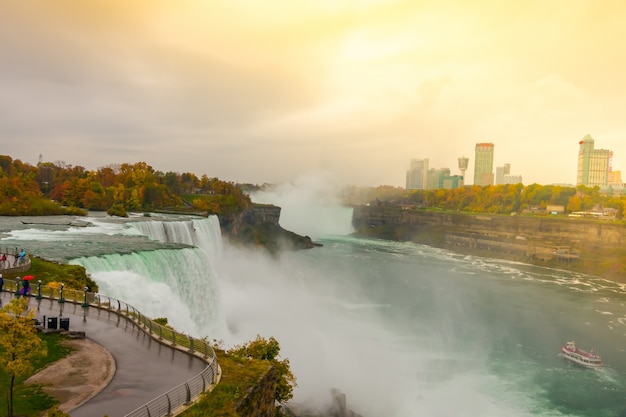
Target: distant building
[(417, 175), (503, 175), (483, 164), (463, 162), (501, 172), (436, 177), (452, 181), (615, 179), (594, 165), (555, 209), (512, 179)]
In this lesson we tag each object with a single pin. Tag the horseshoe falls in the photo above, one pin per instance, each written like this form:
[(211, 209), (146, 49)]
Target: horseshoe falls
[(401, 329)]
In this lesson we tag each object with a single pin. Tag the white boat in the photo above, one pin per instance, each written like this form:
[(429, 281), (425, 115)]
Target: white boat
[(581, 357)]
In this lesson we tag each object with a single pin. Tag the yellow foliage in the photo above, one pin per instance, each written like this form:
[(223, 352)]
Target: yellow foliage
[(19, 342)]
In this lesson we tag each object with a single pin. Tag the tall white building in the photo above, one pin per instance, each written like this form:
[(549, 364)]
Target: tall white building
[(501, 172), (417, 174), (594, 165), (483, 164), (503, 175)]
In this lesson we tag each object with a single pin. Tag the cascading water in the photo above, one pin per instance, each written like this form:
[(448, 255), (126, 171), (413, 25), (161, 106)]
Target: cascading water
[(180, 284), (203, 233)]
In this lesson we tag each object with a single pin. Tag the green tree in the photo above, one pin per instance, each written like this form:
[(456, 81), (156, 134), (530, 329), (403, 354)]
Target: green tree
[(19, 342), (269, 350), (55, 412)]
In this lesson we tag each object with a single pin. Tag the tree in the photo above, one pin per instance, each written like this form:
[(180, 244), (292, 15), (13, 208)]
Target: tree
[(19, 342), (269, 350), (55, 412)]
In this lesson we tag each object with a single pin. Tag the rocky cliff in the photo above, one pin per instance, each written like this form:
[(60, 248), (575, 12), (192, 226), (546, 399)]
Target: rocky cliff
[(259, 226), (260, 399), (589, 246)]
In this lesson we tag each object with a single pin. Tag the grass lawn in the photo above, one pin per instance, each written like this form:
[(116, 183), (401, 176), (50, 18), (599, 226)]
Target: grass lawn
[(238, 375), (31, 400)]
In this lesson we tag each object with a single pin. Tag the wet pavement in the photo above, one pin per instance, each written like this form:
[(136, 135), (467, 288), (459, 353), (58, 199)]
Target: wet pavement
[(145, 368)]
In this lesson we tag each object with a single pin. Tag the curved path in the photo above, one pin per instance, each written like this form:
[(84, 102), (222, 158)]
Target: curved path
[(145, 368)]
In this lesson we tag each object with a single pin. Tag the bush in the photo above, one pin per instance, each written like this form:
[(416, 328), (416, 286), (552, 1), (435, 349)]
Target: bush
[(269, 350)]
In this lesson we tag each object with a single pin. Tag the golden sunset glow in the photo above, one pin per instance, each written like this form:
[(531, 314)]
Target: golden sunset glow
[(266, 91)]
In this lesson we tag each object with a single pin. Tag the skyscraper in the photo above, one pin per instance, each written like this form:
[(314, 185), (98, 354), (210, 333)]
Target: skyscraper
[(483, 164), (503, 175), (594, 165), (501, 172), (436, 177), (416, 176)]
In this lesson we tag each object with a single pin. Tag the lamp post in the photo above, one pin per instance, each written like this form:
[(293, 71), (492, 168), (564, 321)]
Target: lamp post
[(17, 286), (61, 299), (38, 289), (85, 304)]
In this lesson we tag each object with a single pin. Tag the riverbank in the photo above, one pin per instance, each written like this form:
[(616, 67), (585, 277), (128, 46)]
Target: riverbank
[(587, 246)]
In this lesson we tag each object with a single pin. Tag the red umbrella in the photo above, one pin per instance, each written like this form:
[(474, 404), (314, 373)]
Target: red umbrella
[(28, 278)]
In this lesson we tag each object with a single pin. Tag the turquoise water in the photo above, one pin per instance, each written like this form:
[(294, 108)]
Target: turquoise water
[(402, 329)]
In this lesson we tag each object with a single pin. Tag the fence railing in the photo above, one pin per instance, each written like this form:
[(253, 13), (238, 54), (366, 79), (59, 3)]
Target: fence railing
[(13, 262), (174, 399)]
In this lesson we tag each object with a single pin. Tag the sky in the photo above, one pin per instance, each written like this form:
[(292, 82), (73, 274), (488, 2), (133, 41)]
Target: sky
[(268, 91)]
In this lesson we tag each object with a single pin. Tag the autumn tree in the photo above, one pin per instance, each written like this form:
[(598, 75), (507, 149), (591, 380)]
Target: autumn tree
[(269, 350), (19, 343)]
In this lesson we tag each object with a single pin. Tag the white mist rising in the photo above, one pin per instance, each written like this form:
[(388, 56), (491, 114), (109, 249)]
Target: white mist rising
[(330, 342), (309, 206)]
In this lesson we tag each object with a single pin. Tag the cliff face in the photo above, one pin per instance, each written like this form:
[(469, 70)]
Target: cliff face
[(259, 226), (260, 399), (592, 247)]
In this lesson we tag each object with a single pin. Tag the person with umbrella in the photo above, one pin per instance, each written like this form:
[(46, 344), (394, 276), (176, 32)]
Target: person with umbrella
[(26, 284)]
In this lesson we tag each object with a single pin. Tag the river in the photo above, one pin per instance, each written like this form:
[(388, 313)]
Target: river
[(402, 329)]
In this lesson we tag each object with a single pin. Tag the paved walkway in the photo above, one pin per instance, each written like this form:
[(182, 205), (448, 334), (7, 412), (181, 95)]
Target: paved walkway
[(145, 367)]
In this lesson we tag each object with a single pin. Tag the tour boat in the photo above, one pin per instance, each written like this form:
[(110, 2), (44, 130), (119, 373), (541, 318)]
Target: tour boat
[(581, 357)]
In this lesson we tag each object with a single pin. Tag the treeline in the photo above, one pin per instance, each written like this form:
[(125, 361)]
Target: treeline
[(58, 188), (496, 199)]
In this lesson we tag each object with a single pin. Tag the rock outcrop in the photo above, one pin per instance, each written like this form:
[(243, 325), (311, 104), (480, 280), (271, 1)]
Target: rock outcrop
[(259, 226)]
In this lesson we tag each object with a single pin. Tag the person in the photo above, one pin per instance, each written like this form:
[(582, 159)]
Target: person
[(1, 283), (26, 285), (3, 259)]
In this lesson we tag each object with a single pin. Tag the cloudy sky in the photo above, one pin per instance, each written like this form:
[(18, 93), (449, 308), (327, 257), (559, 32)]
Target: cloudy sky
[(268, 91)]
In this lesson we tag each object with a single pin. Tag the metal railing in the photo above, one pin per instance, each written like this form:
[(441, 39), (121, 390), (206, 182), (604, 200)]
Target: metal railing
[(178, 397), (13, 262)]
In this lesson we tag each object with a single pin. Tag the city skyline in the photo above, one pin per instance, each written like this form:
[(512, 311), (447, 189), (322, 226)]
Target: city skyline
[(594, 167), (267, 93)]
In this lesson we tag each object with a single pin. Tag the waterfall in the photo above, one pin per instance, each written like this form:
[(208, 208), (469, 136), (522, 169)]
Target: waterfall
[(180, 284), (203, 233)]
